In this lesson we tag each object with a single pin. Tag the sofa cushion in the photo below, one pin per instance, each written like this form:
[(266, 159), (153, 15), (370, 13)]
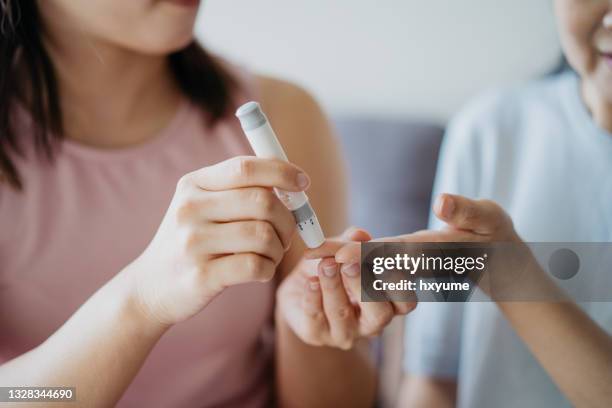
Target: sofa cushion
[(391, 171)]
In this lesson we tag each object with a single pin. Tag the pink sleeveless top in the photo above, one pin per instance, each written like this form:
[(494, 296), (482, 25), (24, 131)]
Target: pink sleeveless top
[(83, 218)]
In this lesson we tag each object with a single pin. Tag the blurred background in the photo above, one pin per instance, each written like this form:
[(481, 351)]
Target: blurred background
[(387, 58)]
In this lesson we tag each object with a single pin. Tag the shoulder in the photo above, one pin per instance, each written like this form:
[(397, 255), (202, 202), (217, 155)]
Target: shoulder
[(513, 110), (288, 103), (493, 133), (298, 119)]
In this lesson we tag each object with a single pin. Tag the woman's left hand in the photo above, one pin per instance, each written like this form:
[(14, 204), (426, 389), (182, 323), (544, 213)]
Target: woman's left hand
[(320, 301)]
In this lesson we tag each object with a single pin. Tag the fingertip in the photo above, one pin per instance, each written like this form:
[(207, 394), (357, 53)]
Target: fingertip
[(302, 180), (354, 233), (328, 249), (328, 268), (350, 253)]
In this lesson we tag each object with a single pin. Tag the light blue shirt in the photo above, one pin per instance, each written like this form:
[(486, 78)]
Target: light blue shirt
[(536, 151)]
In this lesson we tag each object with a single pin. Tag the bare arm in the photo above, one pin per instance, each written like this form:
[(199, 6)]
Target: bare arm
[(314, 375), (566, 341), (98, 350)]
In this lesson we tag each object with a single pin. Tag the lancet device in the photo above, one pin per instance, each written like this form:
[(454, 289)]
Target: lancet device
[(265, 144)]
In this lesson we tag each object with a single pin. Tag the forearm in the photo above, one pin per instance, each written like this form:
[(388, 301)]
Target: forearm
[(98, 350), (566, 341), (310, 376)]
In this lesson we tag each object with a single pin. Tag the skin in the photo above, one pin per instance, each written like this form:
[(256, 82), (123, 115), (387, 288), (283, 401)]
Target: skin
[(113, 50)]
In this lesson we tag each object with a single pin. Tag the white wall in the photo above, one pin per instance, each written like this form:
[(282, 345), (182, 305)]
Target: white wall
[(386, 57)]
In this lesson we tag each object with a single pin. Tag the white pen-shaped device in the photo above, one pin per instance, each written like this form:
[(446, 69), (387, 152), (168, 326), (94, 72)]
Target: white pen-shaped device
[(265, 144)]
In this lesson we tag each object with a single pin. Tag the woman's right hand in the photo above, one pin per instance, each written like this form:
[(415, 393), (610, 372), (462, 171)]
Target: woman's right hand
[(224, 226)]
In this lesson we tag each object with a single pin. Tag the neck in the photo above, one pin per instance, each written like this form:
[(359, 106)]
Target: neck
[(599, 107), (110, 97)]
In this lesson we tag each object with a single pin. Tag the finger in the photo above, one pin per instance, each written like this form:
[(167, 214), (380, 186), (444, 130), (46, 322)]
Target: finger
[(480, 216), (249, 171), (404, 302), (445, 235), (312, 305), (236, 237), (351, 272), (328, 249), (349, 253), (338, 309), (331, 246), (229, 270), (374, 316), (243, 204), (356, 234)]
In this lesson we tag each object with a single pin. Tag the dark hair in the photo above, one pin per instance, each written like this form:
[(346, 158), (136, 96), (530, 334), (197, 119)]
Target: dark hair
[(27, 75)]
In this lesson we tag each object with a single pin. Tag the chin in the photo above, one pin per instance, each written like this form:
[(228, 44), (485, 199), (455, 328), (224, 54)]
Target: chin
[(163, 45)]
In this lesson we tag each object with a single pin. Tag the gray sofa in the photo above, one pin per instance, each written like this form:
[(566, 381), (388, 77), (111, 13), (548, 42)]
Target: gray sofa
[(391, 167)]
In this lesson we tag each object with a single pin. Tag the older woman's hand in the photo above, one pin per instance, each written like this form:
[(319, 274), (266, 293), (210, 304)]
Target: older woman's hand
[(466, 220)]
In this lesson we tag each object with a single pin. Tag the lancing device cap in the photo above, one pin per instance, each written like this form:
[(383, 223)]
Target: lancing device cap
[(251, 116)]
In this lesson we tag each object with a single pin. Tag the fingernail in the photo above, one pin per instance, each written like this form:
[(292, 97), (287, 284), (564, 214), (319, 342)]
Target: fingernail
[(302, 180), (351, 270), (447, 207), (330, 270), (314, 285)]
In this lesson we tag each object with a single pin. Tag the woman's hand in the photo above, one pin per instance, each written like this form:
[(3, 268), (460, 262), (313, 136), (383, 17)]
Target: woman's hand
[(224, 226), (467, 220), (320, 302)]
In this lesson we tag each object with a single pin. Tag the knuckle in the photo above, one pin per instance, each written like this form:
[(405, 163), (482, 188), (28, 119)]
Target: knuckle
[(286, 172), (343, 313), (264, 200), (469, 214), (192, 242), (313, 312), (266, 273), (500, 217), (186, 210), (184, 182), (244, 167), (489, 203), (265, 233), (258, 269), (253, 263)]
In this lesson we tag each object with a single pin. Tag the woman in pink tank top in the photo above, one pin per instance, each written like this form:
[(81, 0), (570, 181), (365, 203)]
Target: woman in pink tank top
[(144, 259)]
